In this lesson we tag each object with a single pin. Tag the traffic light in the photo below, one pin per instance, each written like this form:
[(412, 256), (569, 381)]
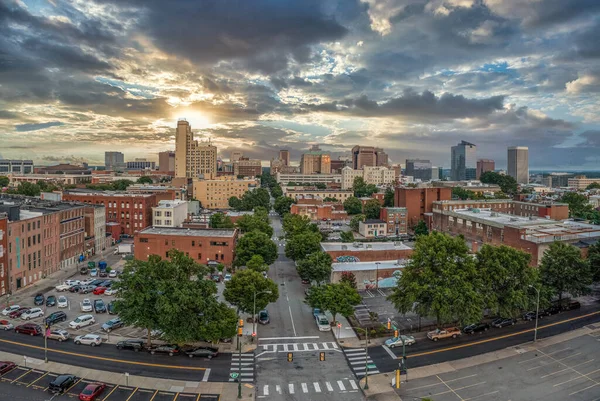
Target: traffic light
[(395, 333), (389, 325), (321, 356), (240, 330), (290, 356), (241, 323)]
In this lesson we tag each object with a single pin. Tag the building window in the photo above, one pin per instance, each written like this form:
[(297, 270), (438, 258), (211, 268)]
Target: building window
[(199, 256), (173, 243), (193, 243), (143, 239)]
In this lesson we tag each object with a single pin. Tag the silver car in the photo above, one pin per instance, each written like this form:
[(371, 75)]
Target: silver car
[(59, 335), (88, 339)]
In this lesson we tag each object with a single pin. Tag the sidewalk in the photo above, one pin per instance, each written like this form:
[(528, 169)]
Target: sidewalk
[(228, 391), (380, 385)]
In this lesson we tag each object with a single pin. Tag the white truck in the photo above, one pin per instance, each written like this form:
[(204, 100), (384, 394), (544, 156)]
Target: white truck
[(124, 249)]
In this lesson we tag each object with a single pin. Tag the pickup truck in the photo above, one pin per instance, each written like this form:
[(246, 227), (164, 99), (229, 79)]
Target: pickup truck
[(444, 333)]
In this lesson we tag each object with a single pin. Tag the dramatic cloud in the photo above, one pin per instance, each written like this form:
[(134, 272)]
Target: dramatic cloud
[(35, 127)]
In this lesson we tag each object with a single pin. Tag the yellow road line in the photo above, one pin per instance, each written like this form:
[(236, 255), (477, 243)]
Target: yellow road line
[(22, 375), (499, 337), (74, 384), (37, 379), (101, 358), (128, 398), (108, 395), (176, 395), (198, 398), (156, 392)]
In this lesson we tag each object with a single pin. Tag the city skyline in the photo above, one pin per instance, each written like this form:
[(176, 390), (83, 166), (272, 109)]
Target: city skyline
[(88, 77)]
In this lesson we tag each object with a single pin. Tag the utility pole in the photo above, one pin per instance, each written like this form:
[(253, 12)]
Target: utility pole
[(366, 358), (240, 331)]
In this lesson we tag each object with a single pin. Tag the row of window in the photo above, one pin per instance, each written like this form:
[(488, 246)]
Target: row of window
[(217, 256), (158, 213)]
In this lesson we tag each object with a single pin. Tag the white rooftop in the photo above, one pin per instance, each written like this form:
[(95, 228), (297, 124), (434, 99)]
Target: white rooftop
[(360, 266), (364, 246), (170, 203), (500, 218)]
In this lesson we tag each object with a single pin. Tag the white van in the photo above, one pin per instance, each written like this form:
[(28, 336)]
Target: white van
[(32, 313), (82, 321), (322, 322)]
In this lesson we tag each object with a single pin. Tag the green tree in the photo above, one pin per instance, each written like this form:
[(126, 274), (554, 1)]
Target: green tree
[(4, 181), (255, 243), (240, 290), (359, 187), (353, 205), (330, 199), (578, 204), (371, 209), (464, 194), (218, 323), (276, 191), (283, 204), (388, 198), (441, 280), (235, 203), (320, 185), (354, 222), (506, 277), (347, 236), (28, 189), (254, 198), (294, 223), (349, 278), (563, 270), (421, 228), (594, 261), (121, 185), (249, 223), (257, 263), (220, 220), (338, 299), (316, 267), (507, 183), (593, 185), (145, 180), (302, 244)]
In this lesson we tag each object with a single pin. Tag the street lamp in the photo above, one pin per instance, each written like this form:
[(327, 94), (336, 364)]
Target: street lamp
[(254, 315), (537, 312), (377, 276)]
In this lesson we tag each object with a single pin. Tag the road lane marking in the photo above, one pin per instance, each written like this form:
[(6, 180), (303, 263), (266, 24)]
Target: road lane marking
[(266, 390), (481, 395), (101, 358), (556, 360), (562, 370), (278, 388), (304, 388), (583, 389), (292, 317), (317, 387), (291, 388), (287, 338), (28, 370), (115, 387), (206, 374), (499, 337), (449, 388), (134, 391), (329, 386), (37, 379), (541, 356), (341, 385), (389, 351), (353, 384)]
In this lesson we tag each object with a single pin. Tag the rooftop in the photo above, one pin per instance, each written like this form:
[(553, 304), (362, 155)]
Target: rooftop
[(320, 190), (189, 232), (359, 266), (374, 221), (95, 192), (170, 203), (364, 247)]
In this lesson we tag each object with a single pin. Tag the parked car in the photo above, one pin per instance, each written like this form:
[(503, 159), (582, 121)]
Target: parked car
[(112, 324), (51, 300), (134, 345), (56, 317), (97, 282), (170, 349), (62, 287), (94, 273), (552, 310), (227, 277), (62, 302), (88, 339), (92, 391), (9, 309), (112, 274), (322, 323), (103, 273), (73, 282), (75, 288), (440, 334), (38, 299), (87, 281), (106, 283), (99, 306), (476, 328), (58, 335), (29, 328), (397, 341), (531, 315), (5, 325), (503, 322), (62, 383), (83, 270), (32, 313), (82, 321), (111, 308), (571, 305), (99, 290), (6, 366), (111, 291), (86, 305), (86, 289), (203, 352), (17, 313)]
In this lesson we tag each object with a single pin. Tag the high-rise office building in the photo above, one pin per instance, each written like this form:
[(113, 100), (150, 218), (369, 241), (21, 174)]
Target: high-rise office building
[(368, 156), (166, 161), (284, 155), (464, 162), (518, 163), (485, 165), (114, 161), (315, 161), (419, 169), (235, 156), (193, 159)]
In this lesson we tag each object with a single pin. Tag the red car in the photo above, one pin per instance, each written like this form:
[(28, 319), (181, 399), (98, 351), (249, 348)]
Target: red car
[(6, 367), (99, 290), (91, 391), (18, 312), (29, 328)]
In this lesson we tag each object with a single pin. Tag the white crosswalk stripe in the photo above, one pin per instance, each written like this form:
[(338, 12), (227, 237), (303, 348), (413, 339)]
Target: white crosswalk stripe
[(353, 384), (297, 347), (323, 387), (329, 387), (304, 388), (317, 387), (360, 362), (291, 388), (341, 385), (246, 372)]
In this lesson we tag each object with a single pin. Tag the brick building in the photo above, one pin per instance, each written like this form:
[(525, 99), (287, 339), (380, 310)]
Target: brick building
[(202, 245), (419, 201), (327, 210), (395, 217), (3, 254), (366, 251), (554, 211), (95, 229), (338, 194), (132, 212)]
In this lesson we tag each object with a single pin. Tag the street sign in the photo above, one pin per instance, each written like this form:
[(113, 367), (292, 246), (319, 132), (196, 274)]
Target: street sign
[(234, 375), (371, 366)]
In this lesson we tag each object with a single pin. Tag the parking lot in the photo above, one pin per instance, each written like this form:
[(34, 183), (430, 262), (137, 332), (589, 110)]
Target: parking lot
[(565, 371), (40, 380)]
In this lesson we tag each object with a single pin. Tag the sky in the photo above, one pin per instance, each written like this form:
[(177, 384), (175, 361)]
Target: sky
[(81, 77)]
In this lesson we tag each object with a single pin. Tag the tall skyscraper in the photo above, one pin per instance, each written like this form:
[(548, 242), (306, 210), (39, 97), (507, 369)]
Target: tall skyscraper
[(315, 161), (166, 160), (114, 161), (419, 169), (193, 159), (485, 165), (464, 162), (518, 163), (284, 156), (368, 156)]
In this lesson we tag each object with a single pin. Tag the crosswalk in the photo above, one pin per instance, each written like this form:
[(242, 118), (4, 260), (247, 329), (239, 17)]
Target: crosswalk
[(358, 362), (299, 347), (324, 387), (246, 373)]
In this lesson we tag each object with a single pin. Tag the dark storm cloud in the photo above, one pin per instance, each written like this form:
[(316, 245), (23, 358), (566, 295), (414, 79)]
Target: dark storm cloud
[(38, 126), (7, 115)]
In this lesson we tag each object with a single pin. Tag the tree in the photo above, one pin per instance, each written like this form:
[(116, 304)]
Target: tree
[(219, 220), (578, 204), (464, 194), (354, 222), (353, 205), (337, 299), (320, 185), (315, 267), (235, 203), (4, 181), (253, 222), (507, 183), (440, 280), (563, 270), (330, 199), (294, 223), (255, 243), (347, 236), (594, 261), (349, 278), (388, 197), (593, 185), (362, 189), (240, 290), (218, 324), (28, 189), (421, 228), (257, 263), (302, 244), (506, 279), (371, 209), (145, 180), (254, 198), (121, 185), (283, 204), (276, 191)]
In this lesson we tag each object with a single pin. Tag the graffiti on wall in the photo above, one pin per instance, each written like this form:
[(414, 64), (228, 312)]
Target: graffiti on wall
[(347, 259), (387, 282)]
